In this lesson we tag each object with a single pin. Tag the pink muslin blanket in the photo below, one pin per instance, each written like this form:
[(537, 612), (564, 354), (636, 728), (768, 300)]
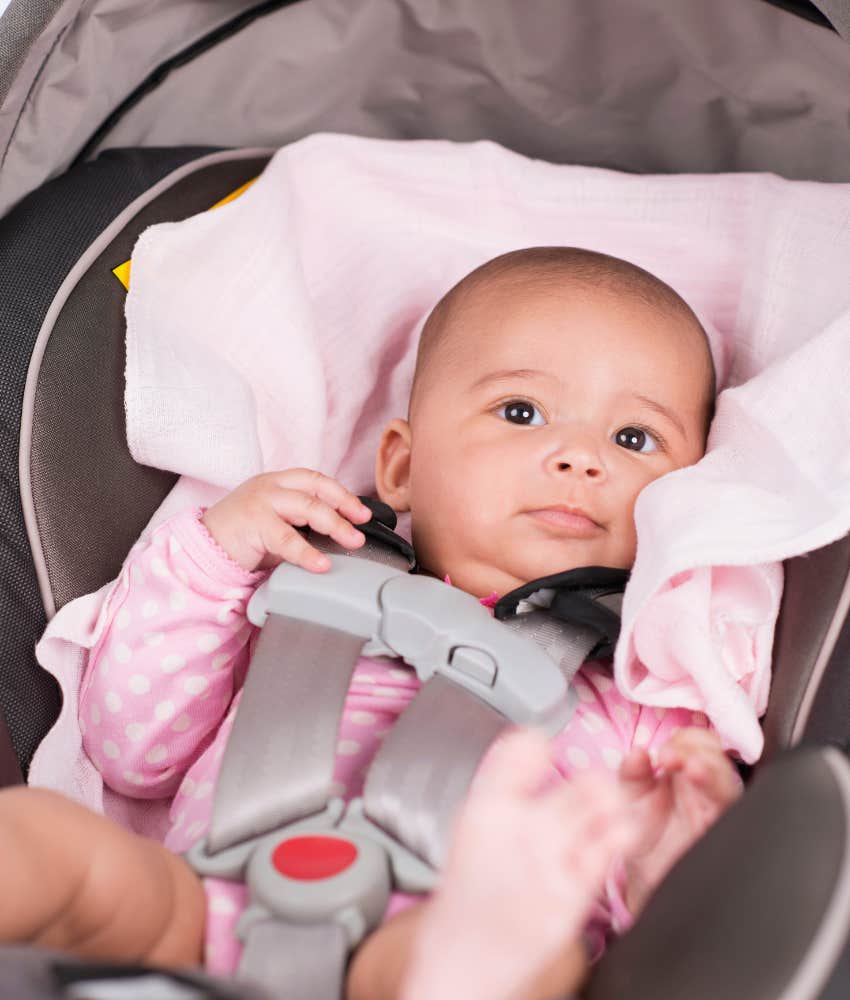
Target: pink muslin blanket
[(280, 330)]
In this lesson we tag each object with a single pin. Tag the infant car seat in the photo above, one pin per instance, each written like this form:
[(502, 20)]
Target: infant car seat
[(115, 115)]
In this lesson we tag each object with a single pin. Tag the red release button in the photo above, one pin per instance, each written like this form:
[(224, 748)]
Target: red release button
[(314, 857)]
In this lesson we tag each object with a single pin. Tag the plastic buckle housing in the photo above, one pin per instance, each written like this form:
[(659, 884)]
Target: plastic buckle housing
[(432, 626), (314, 875), (440, 629), (350, 884)]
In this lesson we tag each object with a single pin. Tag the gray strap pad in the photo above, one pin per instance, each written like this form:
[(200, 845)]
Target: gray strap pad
[(296, 961), (279, 760), (422, 772)]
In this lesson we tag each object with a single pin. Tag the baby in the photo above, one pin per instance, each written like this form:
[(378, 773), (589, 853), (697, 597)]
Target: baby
[(551, 386)]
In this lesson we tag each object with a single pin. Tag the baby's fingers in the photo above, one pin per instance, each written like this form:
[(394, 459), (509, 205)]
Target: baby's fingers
[(326, 489), (284, 543), (715, 776), (636, 772), (303, 510)]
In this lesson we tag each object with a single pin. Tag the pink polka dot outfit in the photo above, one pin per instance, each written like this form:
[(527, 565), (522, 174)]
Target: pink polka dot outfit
[(163, 684)]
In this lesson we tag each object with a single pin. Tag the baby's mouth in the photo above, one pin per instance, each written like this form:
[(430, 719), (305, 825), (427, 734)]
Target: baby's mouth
[(570, 521)]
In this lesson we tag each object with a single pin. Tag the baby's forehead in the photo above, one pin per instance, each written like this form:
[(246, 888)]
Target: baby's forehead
[(512, 305), (523, 310)]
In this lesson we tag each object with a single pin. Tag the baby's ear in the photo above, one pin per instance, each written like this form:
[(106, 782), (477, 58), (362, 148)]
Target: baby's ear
[(392, 465)]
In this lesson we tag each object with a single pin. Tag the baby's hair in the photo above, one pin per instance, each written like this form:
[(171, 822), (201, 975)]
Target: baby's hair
[(554, 267)]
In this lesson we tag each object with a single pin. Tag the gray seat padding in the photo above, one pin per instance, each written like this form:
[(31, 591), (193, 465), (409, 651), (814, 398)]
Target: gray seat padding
[(759, 909)]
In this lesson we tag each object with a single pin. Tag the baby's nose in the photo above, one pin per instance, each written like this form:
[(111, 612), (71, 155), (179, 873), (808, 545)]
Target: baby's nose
[(577, 456)]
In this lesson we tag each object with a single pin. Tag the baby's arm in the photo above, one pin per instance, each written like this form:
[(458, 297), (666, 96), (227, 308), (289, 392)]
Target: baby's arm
[(161, 677)]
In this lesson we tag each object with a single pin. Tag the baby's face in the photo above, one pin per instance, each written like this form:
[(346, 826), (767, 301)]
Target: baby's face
[(542, 418)]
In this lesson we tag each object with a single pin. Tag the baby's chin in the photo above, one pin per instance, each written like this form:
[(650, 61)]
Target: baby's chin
[(483, 580)]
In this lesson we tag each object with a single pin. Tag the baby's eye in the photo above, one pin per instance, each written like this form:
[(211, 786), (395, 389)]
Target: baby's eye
[(636, 439), (519, 411)]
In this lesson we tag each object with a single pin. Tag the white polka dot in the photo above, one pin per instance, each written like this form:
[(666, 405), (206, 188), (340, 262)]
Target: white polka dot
[(348, 748), (203, 790), (196, 829), (164, 710), (157, 754), (622, 714), (172, 663), (113, 701), (195, 684), (578, 757), (612, 757), (110, 748), (123, 653), (180, 819), (158, 566), (219, 660), (158, 540), (135, 732), (137, 576), (363, 718), (226, 613), (105, 666), (188, 787), (122, 619), (222, 905), (94, 714), (181, 723), (139, 684), (208, 642), (182, 576), (150, 609), (177, 601), (174, 545), (591, 722), (643, 734), (154, 638), (134, 778)]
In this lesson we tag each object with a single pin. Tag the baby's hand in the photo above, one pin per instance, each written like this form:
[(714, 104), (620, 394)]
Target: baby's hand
[(675, 801), (256, 523)]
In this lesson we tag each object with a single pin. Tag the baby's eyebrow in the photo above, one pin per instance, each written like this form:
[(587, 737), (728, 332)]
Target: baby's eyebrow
[(510, 375), (665, 411)]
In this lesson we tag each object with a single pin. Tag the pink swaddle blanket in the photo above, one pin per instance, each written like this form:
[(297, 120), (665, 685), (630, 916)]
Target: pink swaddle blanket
[(280, 330)]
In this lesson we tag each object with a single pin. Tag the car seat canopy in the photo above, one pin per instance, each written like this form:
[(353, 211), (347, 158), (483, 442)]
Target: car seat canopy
[(77, 77)]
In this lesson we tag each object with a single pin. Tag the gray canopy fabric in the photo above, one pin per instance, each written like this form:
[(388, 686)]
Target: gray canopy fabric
[(640, 85)]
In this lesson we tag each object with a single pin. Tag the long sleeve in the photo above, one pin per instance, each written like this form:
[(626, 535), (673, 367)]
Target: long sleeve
[(175, 647)]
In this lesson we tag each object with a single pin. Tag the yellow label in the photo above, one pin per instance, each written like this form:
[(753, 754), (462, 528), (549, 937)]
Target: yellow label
[(122, 272)]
